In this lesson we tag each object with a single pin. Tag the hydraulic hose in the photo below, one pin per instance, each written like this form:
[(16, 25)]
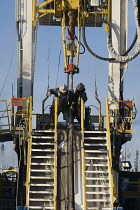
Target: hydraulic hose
[(86, 44), (128, 58), (138, 2), (89, 49), (132, 45), (110, 47)]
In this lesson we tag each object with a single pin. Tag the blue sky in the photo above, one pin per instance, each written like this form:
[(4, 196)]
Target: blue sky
[(89, 66)]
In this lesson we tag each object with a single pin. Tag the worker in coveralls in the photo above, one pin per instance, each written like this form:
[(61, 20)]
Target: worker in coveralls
[(65, 100), (79, 93)]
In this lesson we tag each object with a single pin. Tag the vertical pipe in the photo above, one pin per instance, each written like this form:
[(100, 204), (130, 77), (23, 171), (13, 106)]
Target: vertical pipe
[(34, 12), (79, 35), (63, 39), (71, 38), (71, 162)]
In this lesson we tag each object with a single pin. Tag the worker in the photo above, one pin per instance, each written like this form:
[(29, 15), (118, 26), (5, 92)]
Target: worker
[(65, 98), (79, 93)]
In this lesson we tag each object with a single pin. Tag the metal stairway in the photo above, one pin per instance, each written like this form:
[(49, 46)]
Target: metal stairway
[(97, 171), (42, 172)]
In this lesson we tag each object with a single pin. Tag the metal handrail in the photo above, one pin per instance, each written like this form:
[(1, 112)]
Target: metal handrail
[(29, 113), (83, 155), (43, 102), (109, 152), (55, 150), (99, 110), (123, 119), (6, 111)]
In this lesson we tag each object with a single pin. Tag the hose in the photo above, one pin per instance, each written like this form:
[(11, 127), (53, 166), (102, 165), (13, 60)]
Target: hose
[(110, 47), (138, 2), (86, 44), (81, 45), (111, 50), (88, 48)]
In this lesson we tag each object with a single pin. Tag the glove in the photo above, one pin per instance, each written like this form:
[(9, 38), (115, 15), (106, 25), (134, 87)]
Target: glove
[(72, 108), (49, 93)]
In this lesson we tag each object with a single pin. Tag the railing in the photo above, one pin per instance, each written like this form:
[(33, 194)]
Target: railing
[(96, 121), (83, 156), (22, 113), (22, 121), (123, 116), (109, 152), (8, 184), (43, 108), (29, 117), (55, 150), (4, 118)]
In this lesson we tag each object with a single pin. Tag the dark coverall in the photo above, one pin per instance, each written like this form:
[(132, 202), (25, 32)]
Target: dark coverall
[(77, 107), (64, 103)]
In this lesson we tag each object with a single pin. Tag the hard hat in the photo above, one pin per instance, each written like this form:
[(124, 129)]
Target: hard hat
[(80, 86), (63, 88)]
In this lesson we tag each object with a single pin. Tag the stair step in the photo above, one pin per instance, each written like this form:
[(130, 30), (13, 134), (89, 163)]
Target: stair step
[(99, 193), (40, 185), (96, 208), (38, 177), (43, 137), (42, 157), (96, 178), (42, 192), (43, 131), (95, 185), (102, 165), (40, 199), (96, 151), (95, 172), (42, 164), (95, 138), (98, 200), (94, 145), (43, 150), (41, 207), (96, 158), (104, 132), (41, 170), (34, 143)]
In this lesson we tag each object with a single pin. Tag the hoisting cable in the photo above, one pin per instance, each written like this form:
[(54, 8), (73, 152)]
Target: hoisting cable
[(35, 44), (48, 71), (94, 54), (35, 48), (9, 66), (48, 59), (95, 84), (58, 67)]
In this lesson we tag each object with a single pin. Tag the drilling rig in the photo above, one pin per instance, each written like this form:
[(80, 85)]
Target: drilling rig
[(84, 173)]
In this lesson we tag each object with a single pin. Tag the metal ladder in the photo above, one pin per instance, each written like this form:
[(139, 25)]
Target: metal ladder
[(97, 184), (42, 181)]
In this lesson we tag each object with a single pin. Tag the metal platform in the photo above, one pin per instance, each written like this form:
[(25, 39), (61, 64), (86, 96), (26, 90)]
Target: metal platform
[(50, 20)]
